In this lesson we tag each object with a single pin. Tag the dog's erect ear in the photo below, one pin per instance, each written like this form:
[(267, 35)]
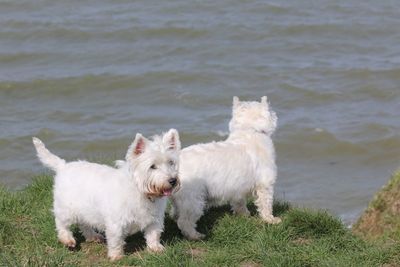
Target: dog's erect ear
[(137, 147), (171, 140), (236, 101), (264, 100)]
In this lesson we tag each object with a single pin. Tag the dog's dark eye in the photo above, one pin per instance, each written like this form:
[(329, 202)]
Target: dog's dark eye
[(153, 167), (171, 163)]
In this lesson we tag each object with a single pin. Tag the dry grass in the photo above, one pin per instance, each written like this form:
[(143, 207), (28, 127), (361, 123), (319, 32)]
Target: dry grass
[(381, 220)]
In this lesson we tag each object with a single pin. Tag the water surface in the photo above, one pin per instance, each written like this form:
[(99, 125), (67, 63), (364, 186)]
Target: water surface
[(85, 76)]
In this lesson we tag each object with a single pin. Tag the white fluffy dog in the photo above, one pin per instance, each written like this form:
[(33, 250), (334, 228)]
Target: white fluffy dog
[(118, 201), (229, 171)]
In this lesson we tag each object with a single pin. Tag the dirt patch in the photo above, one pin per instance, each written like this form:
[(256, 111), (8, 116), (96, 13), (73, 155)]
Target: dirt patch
[(196, 252)]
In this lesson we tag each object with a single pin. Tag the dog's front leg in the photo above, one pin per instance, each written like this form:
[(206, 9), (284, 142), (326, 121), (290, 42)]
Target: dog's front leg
[(115, 242), (152, 235)]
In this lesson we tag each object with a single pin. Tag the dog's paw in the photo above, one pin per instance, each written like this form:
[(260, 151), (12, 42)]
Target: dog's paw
[(69, 242), (156, 248), (196, 236), (115, 256), (272, 220)]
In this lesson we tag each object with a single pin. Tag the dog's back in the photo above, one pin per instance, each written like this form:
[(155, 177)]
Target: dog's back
[(90, 191), (84, 189), (223, 167)]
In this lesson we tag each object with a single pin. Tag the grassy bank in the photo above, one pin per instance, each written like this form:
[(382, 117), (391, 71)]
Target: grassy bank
[(381, 220), (305, 238)]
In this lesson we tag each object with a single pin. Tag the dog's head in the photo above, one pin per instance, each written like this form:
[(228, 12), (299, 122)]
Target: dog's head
[(252, 115), (155, 163)]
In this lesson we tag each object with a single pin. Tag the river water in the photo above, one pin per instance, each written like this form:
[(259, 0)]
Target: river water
[(85, 76)]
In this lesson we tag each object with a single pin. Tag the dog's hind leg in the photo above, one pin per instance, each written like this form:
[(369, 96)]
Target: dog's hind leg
[(64, 234), (264, 203)]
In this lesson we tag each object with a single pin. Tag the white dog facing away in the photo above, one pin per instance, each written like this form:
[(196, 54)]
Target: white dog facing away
[(217, 173), (119, 201)]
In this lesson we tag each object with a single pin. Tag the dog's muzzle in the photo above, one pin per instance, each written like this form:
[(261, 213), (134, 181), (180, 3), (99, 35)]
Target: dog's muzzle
[(174, 185), (173, 182)]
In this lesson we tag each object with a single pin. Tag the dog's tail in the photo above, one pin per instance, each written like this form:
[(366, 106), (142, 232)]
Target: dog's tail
[(46, 157)]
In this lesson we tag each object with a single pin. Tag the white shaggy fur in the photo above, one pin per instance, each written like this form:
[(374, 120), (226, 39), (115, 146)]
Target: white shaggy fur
[(118, 201), (228, 172)]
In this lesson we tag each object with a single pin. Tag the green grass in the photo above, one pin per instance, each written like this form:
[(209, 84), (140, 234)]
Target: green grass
[(304, 238)]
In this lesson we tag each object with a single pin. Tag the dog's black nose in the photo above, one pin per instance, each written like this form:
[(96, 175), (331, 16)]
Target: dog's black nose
[(172, 181)]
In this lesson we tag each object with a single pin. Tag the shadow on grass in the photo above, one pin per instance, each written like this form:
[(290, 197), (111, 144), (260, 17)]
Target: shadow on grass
[(79, 238), (211, 217), (171, 235), (134, 243), (279, 208)]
